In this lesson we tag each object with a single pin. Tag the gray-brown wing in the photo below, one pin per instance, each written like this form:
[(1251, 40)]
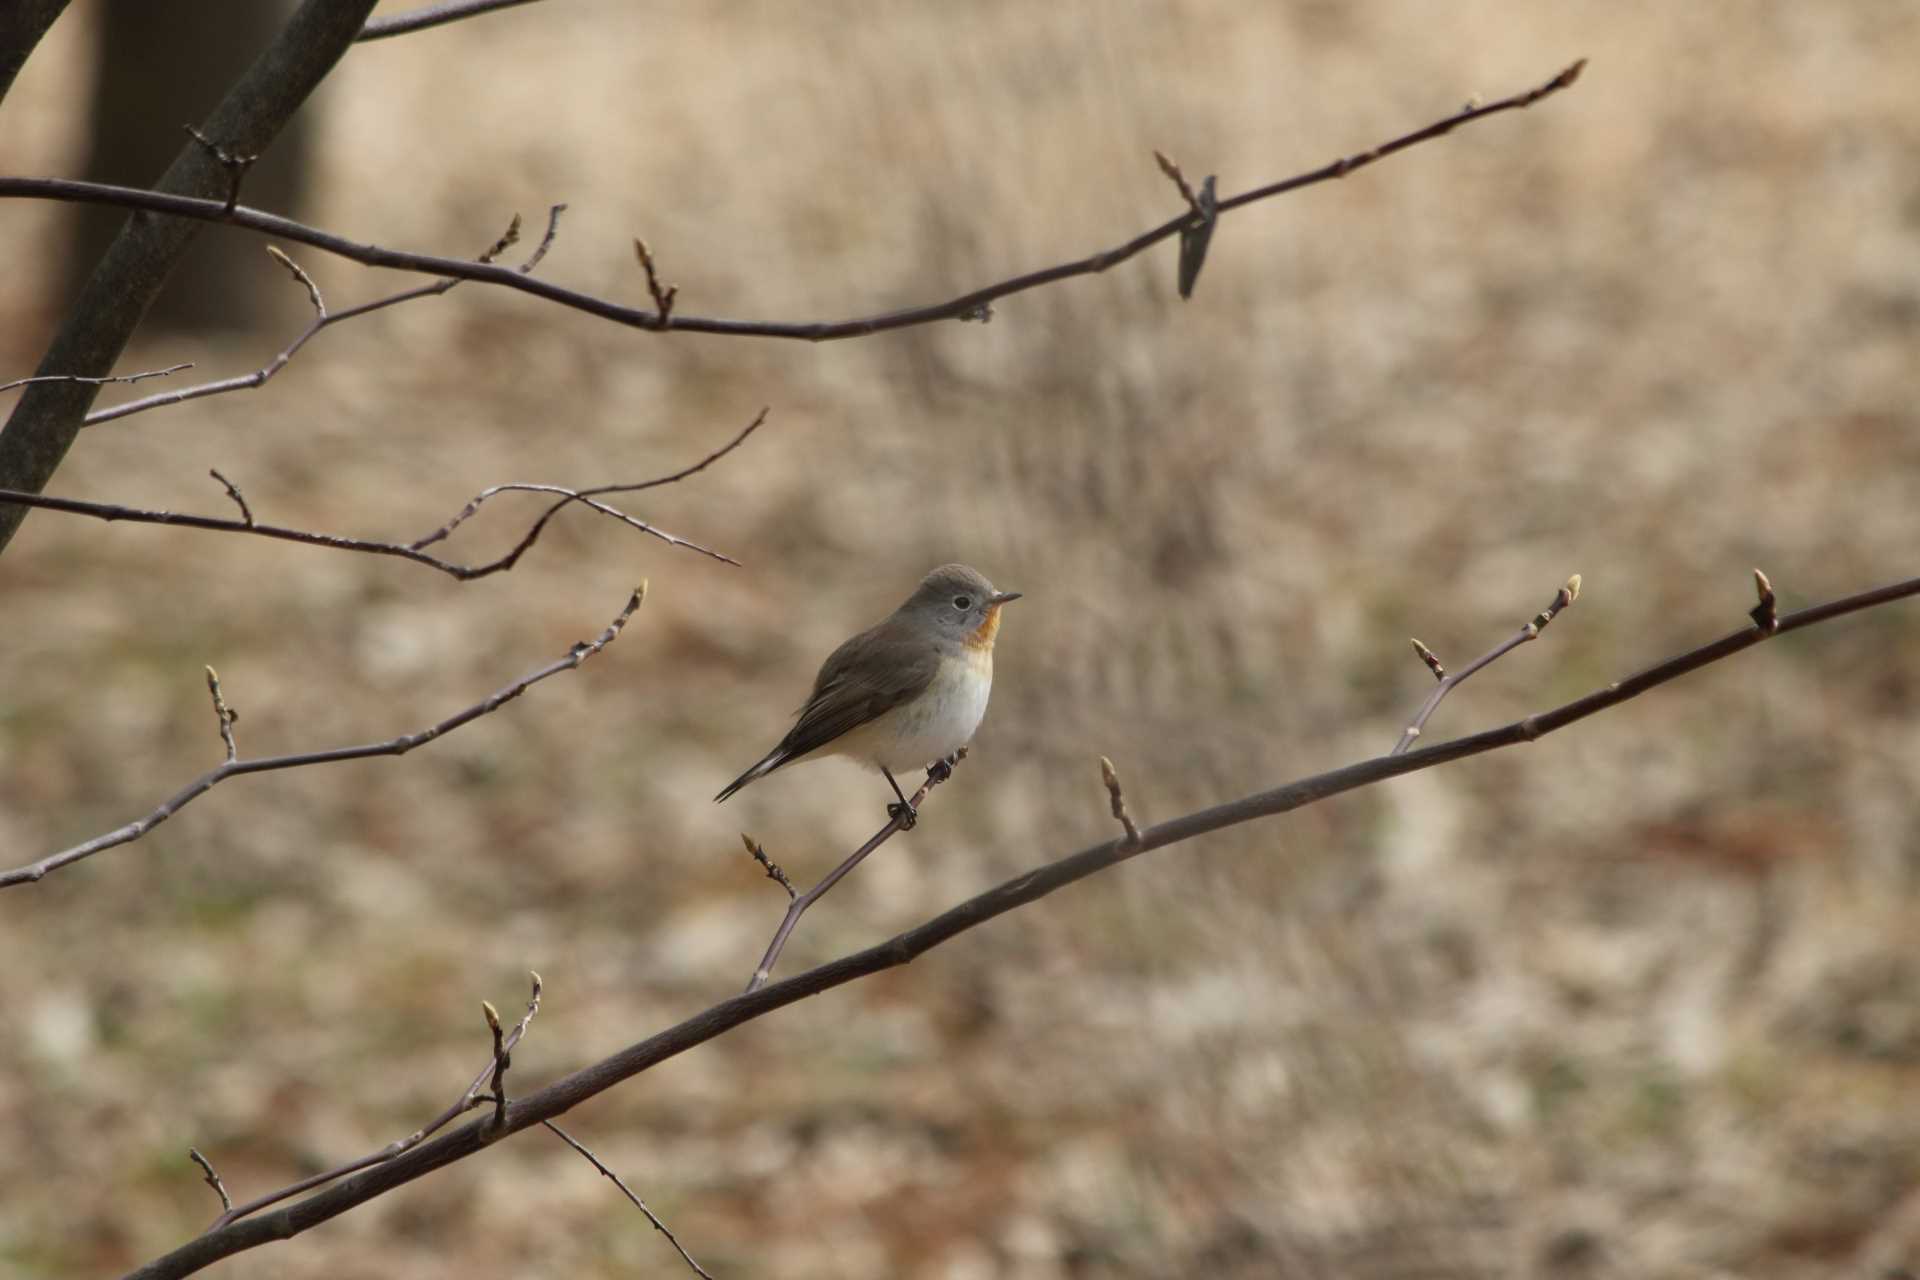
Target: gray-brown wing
[(864, 678)]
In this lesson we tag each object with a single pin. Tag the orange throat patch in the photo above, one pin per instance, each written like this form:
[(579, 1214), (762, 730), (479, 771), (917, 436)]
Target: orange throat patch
[(981, 637)]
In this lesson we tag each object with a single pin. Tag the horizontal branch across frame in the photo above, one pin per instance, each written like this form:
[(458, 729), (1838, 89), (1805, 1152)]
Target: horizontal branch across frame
[(966, 305), (572, 1089)]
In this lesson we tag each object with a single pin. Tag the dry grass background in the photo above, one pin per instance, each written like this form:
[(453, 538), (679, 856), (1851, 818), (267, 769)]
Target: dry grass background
[(1639, 1001)]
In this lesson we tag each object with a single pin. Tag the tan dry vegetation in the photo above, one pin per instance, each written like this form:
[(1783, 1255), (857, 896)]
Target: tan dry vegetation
[(1639, 1001)]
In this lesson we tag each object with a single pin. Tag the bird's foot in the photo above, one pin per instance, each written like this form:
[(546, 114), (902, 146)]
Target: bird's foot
[(903, 814), (940, 770)]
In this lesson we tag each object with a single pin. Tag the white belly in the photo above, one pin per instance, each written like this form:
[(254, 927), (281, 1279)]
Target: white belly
[(931, 727)]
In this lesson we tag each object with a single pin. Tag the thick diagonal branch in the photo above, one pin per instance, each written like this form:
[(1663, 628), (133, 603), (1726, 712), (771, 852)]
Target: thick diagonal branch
[(43, 425), (571, 1090)]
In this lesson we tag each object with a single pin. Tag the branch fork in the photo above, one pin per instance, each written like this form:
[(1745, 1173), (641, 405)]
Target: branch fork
[(1562, 599), (901, 817)]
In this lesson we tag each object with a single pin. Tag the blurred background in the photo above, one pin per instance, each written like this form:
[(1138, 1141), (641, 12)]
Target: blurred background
[(1640, 1000)]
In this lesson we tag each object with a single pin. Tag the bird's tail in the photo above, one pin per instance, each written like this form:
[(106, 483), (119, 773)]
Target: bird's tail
[(764, 765)]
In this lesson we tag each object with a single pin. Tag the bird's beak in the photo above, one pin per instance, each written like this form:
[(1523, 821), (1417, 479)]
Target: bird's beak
[(1002, 597)]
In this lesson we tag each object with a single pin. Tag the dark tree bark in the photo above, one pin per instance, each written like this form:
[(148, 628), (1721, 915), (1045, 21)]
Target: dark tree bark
[(22, 23), (149, 248), (157, 67)]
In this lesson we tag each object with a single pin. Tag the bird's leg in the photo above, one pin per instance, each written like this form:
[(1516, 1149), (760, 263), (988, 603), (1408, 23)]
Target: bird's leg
[(903, 812)]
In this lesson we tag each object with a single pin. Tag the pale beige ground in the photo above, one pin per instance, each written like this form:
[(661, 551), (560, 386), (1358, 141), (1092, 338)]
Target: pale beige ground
[(1639, 1001)]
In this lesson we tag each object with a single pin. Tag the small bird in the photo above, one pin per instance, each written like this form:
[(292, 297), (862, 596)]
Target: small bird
[(905, 694)]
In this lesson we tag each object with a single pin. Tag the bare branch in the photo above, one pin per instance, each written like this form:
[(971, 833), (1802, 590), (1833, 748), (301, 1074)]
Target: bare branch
[(973, 305), (571, 1090), (587, 496), (74, 377), (233, 491), (467, 1101), (322, 320), (1531, 631), (110, 512), (414, 551), (434, 15), (399, 746), (638, 1203), (299, 273), (901, 818), (125, 281), (1179, 179), (1198, 231)]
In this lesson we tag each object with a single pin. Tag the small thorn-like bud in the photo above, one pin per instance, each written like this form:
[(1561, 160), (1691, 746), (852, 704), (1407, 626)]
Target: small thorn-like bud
[(753, 846), (492, 1016), (1573, 590), (537, 982), (1430, 658), (1764, 614), (1118, 800)]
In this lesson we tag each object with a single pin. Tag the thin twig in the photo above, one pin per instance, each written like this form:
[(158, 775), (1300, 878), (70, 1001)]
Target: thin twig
[(1531, 631), (399, 746), (772, 868), (663, 295), (212, 1179), (1118, 800), (110, 511), (415, 551), (300, 273), (1179, 179), (435, 15), (472, 1097), (587, 497), (903, 817), (575, 1088), (638, 1203), (97, 382), (1198, 233), (322, 320), (233, 162), (233, 491), (968, 305), (224, 713)]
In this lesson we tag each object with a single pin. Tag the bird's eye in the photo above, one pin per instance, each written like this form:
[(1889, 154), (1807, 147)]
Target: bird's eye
[(963, 602)]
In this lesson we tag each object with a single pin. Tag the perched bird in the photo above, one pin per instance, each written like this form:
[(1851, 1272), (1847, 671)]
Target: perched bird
[(905, 694)]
